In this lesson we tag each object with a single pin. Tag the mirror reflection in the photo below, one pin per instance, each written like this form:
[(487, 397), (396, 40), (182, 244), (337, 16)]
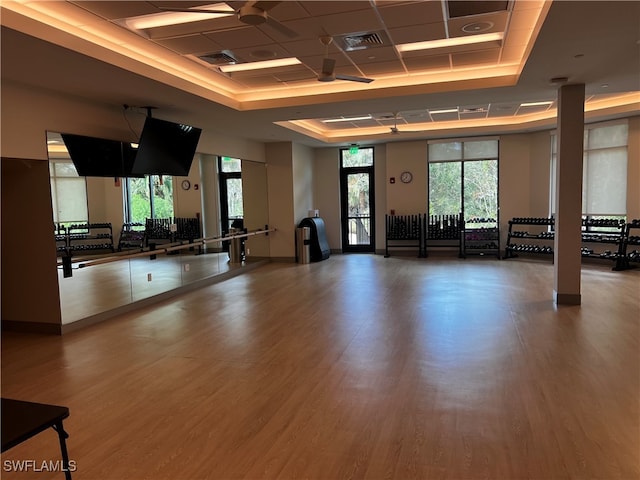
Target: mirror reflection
[(98, 219)]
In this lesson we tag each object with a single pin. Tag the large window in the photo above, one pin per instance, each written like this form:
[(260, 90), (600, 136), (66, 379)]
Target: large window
[(463, 177), (148, 197), (68, 193), (604, 181), (231, 200)]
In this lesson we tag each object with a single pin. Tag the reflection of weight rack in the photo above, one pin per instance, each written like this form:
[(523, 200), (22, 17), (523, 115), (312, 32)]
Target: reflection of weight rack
[(89, 237), (132, 235)]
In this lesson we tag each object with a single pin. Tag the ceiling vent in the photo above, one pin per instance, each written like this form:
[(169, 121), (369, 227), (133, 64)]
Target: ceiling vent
[(361, 41), (225, 57)]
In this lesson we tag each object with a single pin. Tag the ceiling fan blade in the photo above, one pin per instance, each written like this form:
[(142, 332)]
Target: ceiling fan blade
[(328, 67), (351, 78), (280, 27)]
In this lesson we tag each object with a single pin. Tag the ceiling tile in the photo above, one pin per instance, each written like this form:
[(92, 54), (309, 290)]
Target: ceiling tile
[(349, 22), (414, 13), (319, 8), (374, 55), (260, 53), (418, 33), (239, 38), (112, 10), (381, 68), (436, 62), (196, 44), (482, 57)]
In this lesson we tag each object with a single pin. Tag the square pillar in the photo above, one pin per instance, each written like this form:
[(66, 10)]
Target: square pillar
[(568, 220)]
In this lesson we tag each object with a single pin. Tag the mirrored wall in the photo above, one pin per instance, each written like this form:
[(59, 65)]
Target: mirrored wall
[(98, 221)]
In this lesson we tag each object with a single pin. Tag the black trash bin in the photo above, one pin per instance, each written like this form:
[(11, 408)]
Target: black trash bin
[(318, 245)]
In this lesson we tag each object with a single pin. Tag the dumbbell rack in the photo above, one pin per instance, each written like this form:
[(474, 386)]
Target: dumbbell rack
[(481, 236), (542, 234), (602, 232), (627, 260), (405, 231), (90, 237), (594, 232)]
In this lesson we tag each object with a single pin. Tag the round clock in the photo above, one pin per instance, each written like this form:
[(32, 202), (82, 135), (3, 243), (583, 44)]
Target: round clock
[(406, 177), (186, 184)]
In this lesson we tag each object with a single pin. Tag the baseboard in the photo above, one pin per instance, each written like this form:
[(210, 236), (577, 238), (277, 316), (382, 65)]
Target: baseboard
[(567, 298), (32, 327)]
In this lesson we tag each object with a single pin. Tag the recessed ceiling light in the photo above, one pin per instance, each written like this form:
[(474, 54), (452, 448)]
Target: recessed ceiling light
[(604, 85), (243, 67), (450, 42), (449, 110), (347, 119), (164, 19), (536, 104)]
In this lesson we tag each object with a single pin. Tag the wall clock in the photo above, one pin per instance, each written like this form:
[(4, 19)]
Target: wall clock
[(186, 184), (406, 177)]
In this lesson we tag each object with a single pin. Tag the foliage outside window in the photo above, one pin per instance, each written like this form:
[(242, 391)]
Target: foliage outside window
[(68, 193), (149, 197), (463, 177), (362, 158)]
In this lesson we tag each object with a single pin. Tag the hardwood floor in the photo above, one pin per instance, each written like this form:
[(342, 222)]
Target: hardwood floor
[(354, 367)]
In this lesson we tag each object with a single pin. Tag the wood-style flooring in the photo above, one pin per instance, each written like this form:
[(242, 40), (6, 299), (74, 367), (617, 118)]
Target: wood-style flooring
[(354, 367)]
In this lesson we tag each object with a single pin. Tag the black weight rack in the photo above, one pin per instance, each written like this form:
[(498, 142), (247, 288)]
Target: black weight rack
[(406, 231), (626, 259), (444, 231)]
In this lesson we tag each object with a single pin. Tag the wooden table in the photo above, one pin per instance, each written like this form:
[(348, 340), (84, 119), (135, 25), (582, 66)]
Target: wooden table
[(22, 420)]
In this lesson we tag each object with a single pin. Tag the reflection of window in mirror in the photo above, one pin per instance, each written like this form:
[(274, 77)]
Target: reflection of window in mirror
[(148, 197), (231, 201), (68, 193)]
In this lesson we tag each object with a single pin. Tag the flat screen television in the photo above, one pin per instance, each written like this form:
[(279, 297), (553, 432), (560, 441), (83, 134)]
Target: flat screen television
[(99, 157), (166, 148)]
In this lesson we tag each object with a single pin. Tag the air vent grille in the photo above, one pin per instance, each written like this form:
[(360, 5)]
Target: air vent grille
[(224, 57), (361, 41)]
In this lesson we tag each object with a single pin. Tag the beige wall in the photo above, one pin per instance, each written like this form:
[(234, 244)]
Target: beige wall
[(281, 212), (406, 198), (302, 182), (326, 187)]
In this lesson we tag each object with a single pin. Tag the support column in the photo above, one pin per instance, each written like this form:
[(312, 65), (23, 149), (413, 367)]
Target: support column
[(568, 220)]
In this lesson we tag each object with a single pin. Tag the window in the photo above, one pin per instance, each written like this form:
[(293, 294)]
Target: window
[(463, 177), (148, 197), (604, 181), (68, 193)]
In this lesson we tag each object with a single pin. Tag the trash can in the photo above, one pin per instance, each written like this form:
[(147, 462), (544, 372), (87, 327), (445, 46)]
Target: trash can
[(303, 244), (235, 246)]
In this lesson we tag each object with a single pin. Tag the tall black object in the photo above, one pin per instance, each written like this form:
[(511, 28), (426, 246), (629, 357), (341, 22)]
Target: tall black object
[(319, 247)]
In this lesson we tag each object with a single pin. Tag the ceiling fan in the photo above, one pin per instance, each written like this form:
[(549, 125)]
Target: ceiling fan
[(394, 129), (328, 72), (251, 13)]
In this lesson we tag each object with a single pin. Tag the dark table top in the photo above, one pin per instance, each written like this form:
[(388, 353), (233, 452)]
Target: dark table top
[(22, 420)]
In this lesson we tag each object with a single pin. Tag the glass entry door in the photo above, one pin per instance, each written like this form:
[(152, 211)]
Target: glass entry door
[(357, 209)]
